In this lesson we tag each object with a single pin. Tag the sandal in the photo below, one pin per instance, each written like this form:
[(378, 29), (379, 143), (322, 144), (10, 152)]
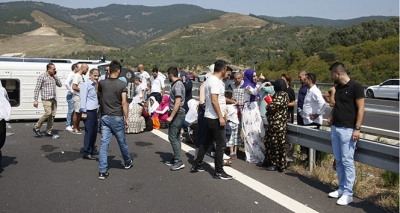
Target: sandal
[(233, 156), (227, 162)]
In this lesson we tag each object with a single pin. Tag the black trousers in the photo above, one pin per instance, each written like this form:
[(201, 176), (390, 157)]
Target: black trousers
[(216, 133), (2, 133)]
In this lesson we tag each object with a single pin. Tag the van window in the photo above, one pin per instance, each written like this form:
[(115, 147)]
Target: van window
[(102, 69), (12, 87)]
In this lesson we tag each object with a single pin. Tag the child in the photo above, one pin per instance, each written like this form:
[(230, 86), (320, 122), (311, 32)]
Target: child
[(233, 121)]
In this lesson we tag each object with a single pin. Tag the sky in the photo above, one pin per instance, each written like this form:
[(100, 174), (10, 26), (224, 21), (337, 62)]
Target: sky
[(330, 9)]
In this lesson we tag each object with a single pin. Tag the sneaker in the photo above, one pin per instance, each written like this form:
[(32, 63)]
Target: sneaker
[(37, 132), (336, 194), (222, 176), (344, 200), (129, 165), (177, 165), (169, 162), (103, 176), (69, 128), (76, 132), (197, 169), (226, 157)]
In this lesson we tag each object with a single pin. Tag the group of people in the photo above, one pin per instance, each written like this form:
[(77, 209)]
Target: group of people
[(254, 112)]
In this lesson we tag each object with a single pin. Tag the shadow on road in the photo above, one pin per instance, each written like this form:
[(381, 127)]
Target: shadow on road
[(7, 161)]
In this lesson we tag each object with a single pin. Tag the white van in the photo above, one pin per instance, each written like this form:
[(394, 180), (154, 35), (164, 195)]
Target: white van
[(19, 75)]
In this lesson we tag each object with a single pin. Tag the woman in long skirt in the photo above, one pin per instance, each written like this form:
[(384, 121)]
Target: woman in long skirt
[(252, 125), (277, 124), (137, 124)]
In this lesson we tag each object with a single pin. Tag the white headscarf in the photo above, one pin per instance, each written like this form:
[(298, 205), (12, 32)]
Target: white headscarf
[(153, 108), (135, 100), (5, 107), (191, 116)]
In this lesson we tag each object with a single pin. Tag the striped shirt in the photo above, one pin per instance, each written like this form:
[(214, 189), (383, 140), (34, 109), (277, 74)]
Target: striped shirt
[(47, 86)]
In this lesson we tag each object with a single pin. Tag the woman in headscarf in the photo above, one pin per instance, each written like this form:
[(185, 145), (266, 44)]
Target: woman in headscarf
[(5, 112), (252, 125), (191, 116), (188, 89), (276, 136), (266, 89), (292, 97), (162, 110), (137, 124), (153, 105)]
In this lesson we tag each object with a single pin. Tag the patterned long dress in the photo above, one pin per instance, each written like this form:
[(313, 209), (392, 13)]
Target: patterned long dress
[(253, 129), (276, 135), (136, 120)]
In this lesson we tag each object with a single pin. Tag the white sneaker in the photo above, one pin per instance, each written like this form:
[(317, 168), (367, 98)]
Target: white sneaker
[(69, 128), (336, 194), (226, 157), (344, 200)]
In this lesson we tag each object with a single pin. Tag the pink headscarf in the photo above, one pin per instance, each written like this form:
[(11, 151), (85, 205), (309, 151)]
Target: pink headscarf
[(161, 107)]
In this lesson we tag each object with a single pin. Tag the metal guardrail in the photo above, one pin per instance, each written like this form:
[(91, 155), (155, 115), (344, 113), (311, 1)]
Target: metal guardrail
[(376, 154)]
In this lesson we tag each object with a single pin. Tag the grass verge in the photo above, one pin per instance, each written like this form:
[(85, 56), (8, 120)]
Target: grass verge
[(376, 185)]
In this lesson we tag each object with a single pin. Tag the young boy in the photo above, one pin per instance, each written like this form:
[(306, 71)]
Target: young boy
[(233, 121)]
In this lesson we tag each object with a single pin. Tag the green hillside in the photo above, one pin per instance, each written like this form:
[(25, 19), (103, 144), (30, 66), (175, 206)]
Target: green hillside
[(123, 26), (306, 21)]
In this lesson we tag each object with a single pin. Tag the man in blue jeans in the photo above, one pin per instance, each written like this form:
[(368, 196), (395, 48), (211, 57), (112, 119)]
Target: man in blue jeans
[(68, 85), (346, 118), (176, 117), (89, 105), (115, 117)]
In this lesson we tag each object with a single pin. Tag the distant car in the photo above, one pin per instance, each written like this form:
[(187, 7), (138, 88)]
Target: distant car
[(191, 75), (202, 76), (387, 89)]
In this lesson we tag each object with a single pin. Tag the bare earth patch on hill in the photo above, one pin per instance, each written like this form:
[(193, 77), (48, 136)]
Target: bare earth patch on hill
[(45, 42)]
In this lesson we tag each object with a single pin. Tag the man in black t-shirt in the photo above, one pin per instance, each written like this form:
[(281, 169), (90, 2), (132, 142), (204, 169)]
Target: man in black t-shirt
[(346, 118), (114, 121)]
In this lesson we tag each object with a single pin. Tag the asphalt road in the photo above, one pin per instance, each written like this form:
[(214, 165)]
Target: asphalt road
[(49, 175)]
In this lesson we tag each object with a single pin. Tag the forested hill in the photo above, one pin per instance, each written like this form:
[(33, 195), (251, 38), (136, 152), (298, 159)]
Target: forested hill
[(307, 21), (123, 26)]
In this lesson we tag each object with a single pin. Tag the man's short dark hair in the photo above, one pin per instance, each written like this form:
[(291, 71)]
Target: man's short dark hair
[(48, 65), (219, 65), (228, 68), (312, 77), (92, 71), (228, 94), (338, 67), (115, 66), (173, 71), (155, 69), (73, 67)]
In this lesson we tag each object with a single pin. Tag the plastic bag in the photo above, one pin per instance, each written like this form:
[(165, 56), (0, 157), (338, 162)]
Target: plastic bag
[(156, 123), (268, 99)]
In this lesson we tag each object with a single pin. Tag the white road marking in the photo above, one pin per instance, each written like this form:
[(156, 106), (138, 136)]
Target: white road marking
[(272, 194)]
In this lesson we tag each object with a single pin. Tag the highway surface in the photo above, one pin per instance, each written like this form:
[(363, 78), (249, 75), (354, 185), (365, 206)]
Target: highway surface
[(48, 175)]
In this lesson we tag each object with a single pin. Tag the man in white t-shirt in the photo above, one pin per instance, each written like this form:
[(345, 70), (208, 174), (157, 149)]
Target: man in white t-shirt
[(68, 85), (215, 121), (157, 85), (78, 80), (145, 79)]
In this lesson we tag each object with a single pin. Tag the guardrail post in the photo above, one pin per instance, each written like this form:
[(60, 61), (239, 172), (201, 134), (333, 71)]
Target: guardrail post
[(311, 159)]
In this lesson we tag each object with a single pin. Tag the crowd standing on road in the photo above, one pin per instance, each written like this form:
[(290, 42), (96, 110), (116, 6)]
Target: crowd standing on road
[(253, 113)]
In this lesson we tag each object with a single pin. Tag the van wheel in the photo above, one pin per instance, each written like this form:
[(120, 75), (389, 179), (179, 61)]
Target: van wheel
[(370, 94)]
